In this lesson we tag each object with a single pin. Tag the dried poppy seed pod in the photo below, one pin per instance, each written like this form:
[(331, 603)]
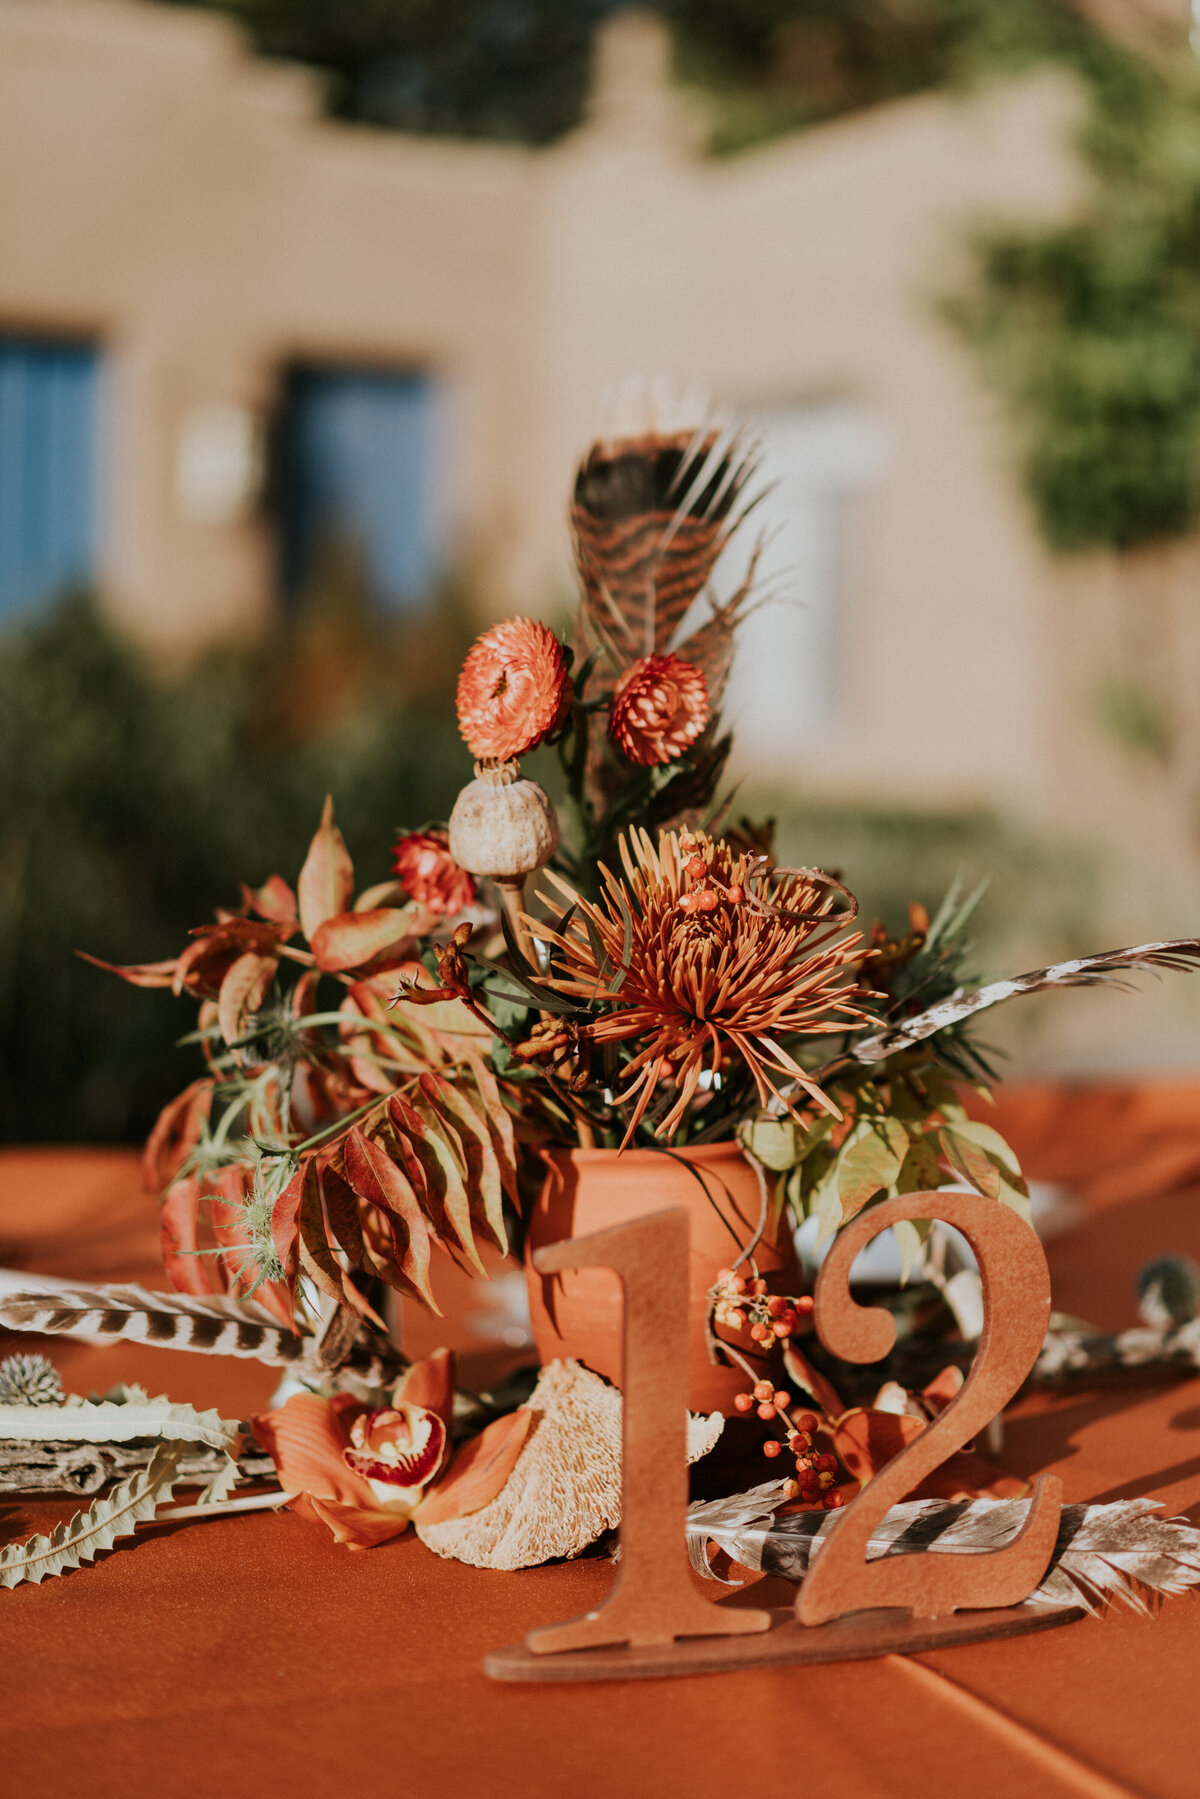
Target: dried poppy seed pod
[(501, 826)]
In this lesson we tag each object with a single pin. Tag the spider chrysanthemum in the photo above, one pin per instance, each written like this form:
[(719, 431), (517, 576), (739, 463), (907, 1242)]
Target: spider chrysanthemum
[(702, 959), (513, 690)]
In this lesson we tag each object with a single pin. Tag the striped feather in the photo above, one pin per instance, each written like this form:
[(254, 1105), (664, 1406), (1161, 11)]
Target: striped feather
[(649, 518), (1085, 971), (205, 1326), (1104, 1553)]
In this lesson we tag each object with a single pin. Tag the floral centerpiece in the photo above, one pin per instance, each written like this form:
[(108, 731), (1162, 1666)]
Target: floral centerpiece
[(391, 1072)]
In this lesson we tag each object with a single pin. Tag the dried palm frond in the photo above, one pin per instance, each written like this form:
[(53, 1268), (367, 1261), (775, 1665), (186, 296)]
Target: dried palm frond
[(1084, 971), (1103, 1553)]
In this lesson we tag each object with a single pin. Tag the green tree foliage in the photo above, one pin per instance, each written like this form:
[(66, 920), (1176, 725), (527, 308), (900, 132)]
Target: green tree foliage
[(1092, 329), (134, 804)]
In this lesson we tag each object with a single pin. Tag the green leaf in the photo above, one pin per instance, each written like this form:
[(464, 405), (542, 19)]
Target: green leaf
[(994, 1145), (975, 1166), (910, 1234), (921, 1171), (870, 1162), (83, 1538), (772, 1141)]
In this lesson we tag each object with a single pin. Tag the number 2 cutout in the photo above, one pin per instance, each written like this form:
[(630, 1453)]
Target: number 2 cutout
[(1016, 1301)]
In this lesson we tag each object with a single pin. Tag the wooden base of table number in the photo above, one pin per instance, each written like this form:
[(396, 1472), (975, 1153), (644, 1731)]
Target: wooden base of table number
[(655, 1622), (861, 1636)]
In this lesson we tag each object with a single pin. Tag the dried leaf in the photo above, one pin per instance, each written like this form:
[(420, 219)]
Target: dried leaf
[(326, 884), (376, 940), (87, 1534), (175, 1134), (976, 1168), (485, 1188), (274, 900), (243, 991), (425, 1138), (374, 1176), (187, 1270)]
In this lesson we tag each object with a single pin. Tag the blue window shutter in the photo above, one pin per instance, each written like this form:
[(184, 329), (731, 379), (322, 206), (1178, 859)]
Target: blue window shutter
[(356, 464), (47, 470)]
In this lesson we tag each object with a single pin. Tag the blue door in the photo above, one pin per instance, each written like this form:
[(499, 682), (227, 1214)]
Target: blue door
[(355, 466), (47, 470)]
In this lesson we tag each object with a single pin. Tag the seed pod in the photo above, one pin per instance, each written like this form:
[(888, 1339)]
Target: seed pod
[(502, 827)]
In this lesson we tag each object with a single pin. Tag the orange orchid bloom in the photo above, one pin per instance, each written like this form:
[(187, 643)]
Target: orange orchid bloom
[(367, 1473)]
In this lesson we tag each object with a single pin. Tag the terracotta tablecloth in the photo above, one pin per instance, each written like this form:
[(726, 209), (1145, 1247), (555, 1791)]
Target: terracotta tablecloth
[(251, 1657)]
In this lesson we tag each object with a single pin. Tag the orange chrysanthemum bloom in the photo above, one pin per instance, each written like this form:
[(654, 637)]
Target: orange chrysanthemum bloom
[(513, 690), (722, 961), (659, 707)]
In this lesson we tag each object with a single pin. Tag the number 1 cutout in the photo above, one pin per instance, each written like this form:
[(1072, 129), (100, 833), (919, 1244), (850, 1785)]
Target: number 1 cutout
[(653, 1600), (1016, 1310)]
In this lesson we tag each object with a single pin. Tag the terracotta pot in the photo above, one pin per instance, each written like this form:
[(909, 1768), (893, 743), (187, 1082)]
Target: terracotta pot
[(578, 1313)]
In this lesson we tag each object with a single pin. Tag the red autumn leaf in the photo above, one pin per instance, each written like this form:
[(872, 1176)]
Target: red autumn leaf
[(175, 1134), (242, 992), (326, 884), (180, 1223), (375, 940), (341, 1214), (285, 1227), (317, 1258), (468, 1133), (479, 1470), (273, 900), (360, 1046), (437, 1149), (377, 1179), (138, 974)]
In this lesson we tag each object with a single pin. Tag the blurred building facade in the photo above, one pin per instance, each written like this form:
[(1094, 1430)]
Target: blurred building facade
[(225, 321)]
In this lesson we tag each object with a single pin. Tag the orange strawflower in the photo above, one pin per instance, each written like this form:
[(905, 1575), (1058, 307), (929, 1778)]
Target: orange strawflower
[(659, 707), (513, 690), (429, 874), (723, 960)]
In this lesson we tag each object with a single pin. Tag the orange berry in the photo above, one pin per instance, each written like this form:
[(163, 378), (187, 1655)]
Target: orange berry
[(826, 1464), (763, 1389), (772, 1447), (801, 1440), (737, 1321), (776, 1307), (688, 902), (807, 1421), (781, 1329), (805, 1304), (782, 1400), (758, 1286), (706, 900), (737, 1282), (791, 1490), (759, 1332), (743, 1401), (724, 1276), (734, 895), (696, 867), (833, 1502), (766, 1412)]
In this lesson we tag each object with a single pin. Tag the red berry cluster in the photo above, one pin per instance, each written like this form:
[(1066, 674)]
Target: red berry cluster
[(708, 895), (771, 1317), (770, 1404), (815, 1473)]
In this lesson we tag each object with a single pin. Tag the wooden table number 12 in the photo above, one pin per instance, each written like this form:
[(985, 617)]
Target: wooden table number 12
[(655, 1621)]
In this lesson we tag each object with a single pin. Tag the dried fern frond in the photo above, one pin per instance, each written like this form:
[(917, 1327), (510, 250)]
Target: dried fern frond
[(1084, 971), (1104, 1553), (85, 1535)]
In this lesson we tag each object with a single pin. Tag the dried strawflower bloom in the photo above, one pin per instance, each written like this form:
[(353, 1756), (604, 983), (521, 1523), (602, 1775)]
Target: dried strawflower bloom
[(659, 707), (715, 970), (513, 690), (429, 874)]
